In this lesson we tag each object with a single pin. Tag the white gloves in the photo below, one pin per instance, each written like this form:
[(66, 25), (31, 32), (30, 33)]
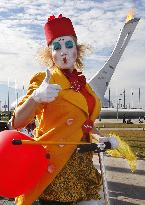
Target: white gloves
[(46, 92), (113, 141)]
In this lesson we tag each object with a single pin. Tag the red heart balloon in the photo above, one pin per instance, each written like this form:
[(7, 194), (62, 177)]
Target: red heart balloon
[(21, 166)]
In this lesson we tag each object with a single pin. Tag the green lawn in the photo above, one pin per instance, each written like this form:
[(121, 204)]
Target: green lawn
[(134, 137)]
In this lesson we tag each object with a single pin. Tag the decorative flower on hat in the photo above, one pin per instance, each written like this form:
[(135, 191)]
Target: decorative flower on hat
[(53, 17)]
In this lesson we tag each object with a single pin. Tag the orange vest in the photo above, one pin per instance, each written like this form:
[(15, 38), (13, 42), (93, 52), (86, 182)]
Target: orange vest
[(62, 120)]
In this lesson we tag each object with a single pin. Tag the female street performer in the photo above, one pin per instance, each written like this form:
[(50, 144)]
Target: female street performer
[(66, 108)]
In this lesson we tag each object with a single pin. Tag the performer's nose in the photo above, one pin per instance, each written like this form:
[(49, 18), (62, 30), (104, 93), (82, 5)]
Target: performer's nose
[(63, 54)]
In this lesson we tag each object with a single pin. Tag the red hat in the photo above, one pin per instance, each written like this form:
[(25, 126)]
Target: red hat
[(56, 27)]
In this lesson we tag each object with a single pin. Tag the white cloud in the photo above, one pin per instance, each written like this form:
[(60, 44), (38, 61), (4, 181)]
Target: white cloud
[(97, 23)]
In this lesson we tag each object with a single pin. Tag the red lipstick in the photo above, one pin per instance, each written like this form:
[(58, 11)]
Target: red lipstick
[(65, 60)]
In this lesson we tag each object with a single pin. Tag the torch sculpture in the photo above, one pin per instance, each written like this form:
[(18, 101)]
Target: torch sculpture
[(100, 81)]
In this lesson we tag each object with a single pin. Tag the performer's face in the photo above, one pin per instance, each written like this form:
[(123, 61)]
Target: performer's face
[(64, 52)]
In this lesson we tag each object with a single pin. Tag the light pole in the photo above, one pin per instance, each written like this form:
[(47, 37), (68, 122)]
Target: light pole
[(124, 99), (117, 110), (119, 103), (0, 105), (139, 97), (109, 98), (132, 99)]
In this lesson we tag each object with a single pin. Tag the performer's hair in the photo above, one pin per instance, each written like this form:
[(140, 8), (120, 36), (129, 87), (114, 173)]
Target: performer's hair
[(45, 57)]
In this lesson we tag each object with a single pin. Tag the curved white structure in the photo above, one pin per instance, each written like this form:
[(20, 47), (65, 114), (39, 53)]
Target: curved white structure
[(100, 81)]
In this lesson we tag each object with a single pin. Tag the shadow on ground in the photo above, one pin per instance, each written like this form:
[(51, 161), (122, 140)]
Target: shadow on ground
[(124, 170), (119, 202), (131, 191)]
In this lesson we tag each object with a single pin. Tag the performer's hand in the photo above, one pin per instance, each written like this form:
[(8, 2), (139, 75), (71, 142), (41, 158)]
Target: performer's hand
[(46, 92), (113, 141)]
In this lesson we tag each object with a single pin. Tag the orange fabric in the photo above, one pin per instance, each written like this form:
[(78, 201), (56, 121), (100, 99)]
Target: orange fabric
[(53, 125)]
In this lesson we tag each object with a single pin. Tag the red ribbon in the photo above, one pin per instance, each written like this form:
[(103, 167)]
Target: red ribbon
[(76, 79)]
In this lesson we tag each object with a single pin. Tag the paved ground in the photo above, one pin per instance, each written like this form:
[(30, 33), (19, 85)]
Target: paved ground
[(125, 187)]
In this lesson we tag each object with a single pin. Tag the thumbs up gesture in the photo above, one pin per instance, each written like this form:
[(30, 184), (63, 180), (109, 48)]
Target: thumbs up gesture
[(46, 92)]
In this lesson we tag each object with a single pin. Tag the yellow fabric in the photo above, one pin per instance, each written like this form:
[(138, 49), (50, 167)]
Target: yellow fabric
[(124, 151), (52, 118)]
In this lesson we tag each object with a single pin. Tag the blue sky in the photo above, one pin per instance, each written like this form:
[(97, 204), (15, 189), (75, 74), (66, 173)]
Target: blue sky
[(97, 23)]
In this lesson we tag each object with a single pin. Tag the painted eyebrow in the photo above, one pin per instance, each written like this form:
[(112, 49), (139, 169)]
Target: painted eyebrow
[(61, 39)]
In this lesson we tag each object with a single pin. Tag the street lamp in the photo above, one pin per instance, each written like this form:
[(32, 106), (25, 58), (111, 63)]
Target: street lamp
[(119, 103), (117, 110), (0, 105)]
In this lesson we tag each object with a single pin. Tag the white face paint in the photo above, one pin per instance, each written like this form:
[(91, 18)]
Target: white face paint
[(64, 52)]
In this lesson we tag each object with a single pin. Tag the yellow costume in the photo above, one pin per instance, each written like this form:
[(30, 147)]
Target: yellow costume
[(62, 120)]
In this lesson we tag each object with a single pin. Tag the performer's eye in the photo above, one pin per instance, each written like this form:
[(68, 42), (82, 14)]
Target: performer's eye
[(69, 44), (56, 46)]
